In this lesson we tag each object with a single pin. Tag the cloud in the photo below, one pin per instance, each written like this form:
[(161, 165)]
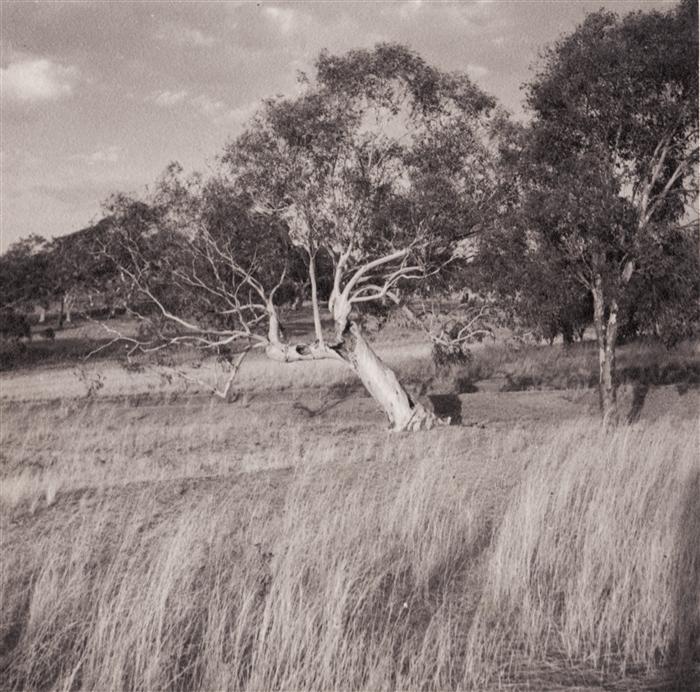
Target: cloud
[(477, 71), (242, 113), (167, 99), (219, 112), (283, 17), (37, 79), (208, 106), (107, 155), (183, 35), (409, 9)]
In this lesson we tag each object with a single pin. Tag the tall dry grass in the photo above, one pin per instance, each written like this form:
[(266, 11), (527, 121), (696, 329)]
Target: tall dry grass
[(596, 562), (399, 573), (337, 589)]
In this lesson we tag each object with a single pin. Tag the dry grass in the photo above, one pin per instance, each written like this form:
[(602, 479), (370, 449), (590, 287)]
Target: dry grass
[(109, 378), (382, 562), (597, 560), (528, 367), (155, 540)]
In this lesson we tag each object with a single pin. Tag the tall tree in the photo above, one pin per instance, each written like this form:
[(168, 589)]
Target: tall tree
[(608, 166), (380, 169)]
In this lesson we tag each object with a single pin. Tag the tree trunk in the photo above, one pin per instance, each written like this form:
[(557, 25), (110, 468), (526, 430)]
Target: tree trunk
[(42, 314), (606, 335), (381, 382), (352, 349), (71, 302), (298, 301), (567, 333), (318, 330)]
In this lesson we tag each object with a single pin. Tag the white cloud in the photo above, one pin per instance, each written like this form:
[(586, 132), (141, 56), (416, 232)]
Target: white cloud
[(477, 71), (409, 9), (283, 17), (173, 32), (208, 106), (242, 113), (220, 113), (107, 155), (36, 79), (167, 99)]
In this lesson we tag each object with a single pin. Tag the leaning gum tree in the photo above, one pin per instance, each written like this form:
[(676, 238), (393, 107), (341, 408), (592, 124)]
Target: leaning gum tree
[(368, 188)]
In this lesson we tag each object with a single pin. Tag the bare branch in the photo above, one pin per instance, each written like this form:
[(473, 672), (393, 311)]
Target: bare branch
[(380, 261)]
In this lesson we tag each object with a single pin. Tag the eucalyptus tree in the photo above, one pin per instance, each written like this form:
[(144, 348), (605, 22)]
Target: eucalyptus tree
[(370, 186), (608, 166)]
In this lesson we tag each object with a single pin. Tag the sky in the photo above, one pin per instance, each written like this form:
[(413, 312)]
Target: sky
[(98, 97)]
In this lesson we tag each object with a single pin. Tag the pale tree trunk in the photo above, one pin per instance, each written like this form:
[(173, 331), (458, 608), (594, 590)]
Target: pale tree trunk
[(350, 347), (606, 334), (403, 412), (314, 299), (42, 314), (70, 303), (298, 301)]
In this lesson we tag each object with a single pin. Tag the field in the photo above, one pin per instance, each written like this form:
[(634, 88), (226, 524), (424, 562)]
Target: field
[(156, 538)]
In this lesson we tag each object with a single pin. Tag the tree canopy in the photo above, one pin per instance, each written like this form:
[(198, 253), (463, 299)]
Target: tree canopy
[(368, 186), (605, 172)]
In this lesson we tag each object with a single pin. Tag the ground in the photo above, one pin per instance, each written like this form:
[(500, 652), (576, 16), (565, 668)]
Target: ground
[(299, 482)]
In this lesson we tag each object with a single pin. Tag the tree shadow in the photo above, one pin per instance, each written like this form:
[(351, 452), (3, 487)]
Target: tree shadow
[(639, 395), (683, 388), (685, 376), (686, 638), (324, 407), (447, 405), (465, 385)]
